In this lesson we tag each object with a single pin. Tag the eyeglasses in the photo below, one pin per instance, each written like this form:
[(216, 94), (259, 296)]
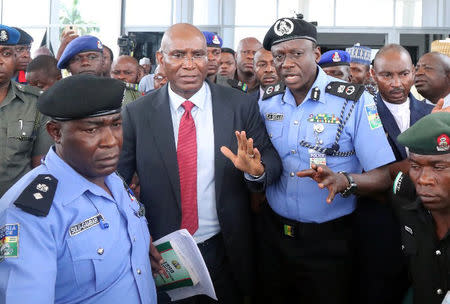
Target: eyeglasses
[(178, 56)]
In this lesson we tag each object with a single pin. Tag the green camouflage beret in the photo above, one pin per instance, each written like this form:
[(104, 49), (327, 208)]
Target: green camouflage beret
[(428, 136)]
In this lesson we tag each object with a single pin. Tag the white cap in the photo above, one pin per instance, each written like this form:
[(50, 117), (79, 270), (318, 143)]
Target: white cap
[(144, 60)]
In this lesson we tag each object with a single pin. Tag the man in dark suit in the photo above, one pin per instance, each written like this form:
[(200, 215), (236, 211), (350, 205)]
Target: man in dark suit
[(176, 140), (382, 268)]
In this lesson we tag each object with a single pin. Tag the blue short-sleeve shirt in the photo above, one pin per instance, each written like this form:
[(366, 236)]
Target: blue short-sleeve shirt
[(316, 122), (63, 257)]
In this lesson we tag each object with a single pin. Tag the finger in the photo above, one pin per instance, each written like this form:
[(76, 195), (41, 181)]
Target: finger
[(331, 194), (257, 155), (438, 106), (306, 173), (243, 137), (239, 141), (250, 146), (228, 153)]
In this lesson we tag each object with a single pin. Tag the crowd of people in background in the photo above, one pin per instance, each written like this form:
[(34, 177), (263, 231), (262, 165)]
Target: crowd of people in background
[(277, 157)]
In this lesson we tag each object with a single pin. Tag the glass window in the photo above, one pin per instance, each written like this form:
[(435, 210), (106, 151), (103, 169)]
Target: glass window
[(255, 12), (408, 13), (243, 32), (35, 12), (89, 17), (147, 13), (364, 13), (206, 12), (321, 11)]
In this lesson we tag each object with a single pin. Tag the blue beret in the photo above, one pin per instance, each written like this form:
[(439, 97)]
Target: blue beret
[(8, 35), (360, 54), (212, 39), (25, 38), (81, 44), (286, 29), (334, 58), (82, 96)]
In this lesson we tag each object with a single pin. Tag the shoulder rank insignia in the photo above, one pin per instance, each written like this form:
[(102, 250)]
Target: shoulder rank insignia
[(350, 91), (37, 198), (274, 90), (404, 187), (28, 89), (237, 84), (132, 86)]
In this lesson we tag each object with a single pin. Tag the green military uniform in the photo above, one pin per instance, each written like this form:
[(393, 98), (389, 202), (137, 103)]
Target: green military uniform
[(131, 93), (22, 133), (428, 256)]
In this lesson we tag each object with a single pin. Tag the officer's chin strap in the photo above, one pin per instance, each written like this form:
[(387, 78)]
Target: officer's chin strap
[(334, 150)]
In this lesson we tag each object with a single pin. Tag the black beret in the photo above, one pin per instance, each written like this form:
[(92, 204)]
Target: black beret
[(25, 38), (286, 29), (82, 96)]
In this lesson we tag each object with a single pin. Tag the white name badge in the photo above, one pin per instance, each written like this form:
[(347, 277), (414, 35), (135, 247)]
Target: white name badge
[(317, 158)]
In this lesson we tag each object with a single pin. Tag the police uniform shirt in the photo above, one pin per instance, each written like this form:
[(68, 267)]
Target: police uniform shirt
[(428, 257), (20, 138), (67, 258), (316, 121)]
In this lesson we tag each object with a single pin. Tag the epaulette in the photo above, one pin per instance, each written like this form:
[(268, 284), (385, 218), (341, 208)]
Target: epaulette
[(274, 90), (27, 89), (404, 187), (237, 84), (132, 86), (350, 91), (37, 198)]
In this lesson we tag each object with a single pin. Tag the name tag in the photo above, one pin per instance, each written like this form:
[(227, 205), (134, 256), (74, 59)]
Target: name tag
[(317, 158), (85, 225), (275, 116)]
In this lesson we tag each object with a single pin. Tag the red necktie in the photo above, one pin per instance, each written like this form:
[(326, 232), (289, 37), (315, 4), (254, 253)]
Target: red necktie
[(187, 166)]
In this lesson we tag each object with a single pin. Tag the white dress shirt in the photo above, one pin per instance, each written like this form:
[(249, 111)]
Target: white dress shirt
[(208, 222), (401, 113)]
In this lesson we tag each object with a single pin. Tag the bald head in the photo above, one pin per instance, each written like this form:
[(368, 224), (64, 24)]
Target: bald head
[(393, 72), (433, 76), (245, 53), (181, 31), (125, 68)]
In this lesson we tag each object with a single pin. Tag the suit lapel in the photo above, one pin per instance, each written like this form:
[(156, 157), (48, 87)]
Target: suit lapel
[(390, 126), (161, 127), (223, 120)]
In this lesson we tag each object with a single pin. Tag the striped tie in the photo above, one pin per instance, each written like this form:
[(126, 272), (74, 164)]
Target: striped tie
[(187, 166)]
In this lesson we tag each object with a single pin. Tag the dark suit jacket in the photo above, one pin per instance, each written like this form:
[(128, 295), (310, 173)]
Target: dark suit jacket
[(417, 108), (149, 149)]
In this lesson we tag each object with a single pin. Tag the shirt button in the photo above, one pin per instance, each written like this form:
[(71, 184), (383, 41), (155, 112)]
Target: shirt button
[(438, 252), (270, 135), (439, 291), (138, 271), (100, 251), (295, 122), (134, 239), (292, 174), (293, 151)]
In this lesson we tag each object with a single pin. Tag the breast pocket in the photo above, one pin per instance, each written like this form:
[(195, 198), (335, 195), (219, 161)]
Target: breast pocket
[(99, 257), (322, 134), (275, 131), (20, 138), (409, 243)]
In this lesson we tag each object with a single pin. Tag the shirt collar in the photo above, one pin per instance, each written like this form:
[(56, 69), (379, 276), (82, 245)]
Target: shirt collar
[(321, 82), (71, 184), (198, 99)]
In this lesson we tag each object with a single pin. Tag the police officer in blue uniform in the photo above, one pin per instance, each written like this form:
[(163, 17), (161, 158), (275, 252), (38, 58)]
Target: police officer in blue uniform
[(319, 126), (72, 232), (336, 63)]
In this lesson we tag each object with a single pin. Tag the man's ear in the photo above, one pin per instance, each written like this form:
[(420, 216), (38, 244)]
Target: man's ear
[(54, 130), (159, 57)]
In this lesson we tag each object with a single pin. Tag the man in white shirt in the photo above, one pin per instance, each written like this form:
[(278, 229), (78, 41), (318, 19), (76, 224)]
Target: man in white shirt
[(433, 77), (382, 270)]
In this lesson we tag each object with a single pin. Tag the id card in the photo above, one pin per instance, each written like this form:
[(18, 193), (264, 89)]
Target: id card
[(317, 158)]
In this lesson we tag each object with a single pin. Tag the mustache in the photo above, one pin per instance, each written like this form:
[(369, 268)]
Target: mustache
[(393, 91)]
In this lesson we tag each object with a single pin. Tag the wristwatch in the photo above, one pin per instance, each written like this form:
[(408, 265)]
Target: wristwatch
[(352, 186)]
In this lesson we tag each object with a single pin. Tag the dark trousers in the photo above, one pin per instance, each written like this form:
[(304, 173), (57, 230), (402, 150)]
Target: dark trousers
[(313, 267), (381, 268), (227, 291)]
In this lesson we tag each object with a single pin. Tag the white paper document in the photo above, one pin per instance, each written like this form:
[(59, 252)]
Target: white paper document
[(185, 244)]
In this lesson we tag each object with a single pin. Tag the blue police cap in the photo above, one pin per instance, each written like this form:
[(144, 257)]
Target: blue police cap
[(286, 29), (81, 44), (360, 54), (25, 38), (334, 58), (212, 39), (8, 35)]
